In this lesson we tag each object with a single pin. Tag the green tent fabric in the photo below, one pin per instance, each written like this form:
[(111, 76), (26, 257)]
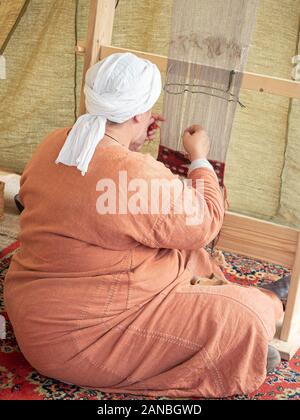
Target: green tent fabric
[(289, 206), (9, 14), (38, 94)]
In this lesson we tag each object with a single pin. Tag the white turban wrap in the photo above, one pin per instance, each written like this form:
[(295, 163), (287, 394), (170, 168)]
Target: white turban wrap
[(116, 89)]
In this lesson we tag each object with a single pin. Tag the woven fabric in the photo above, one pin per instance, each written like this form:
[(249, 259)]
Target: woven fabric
[(179, 164), (215, 39)]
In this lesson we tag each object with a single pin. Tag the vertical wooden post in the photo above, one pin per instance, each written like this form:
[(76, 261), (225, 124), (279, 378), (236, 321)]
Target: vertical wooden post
[(100, 28), (292, 312)]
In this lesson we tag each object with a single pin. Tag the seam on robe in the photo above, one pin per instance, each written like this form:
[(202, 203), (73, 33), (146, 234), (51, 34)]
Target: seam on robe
[(146, 239), (104, 367), (116, 279), (218, 378), (130, 277), (99, 365), (85, 312), (158, 222), (130, 281), (162, 217), (225, 296), (110, 370)]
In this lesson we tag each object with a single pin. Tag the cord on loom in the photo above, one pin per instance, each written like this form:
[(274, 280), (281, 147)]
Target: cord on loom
[(186, 88)]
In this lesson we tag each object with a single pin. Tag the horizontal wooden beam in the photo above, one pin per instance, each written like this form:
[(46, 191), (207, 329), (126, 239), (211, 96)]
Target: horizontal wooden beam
[(259, 239), (273, 85), (251, 81)]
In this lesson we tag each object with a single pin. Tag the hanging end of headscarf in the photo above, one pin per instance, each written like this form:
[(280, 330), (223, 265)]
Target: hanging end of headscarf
[(57, 161)]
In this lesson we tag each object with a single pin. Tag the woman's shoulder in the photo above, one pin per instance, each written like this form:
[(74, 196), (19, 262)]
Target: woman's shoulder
[(146, 166), (56, 133), (60, 131)]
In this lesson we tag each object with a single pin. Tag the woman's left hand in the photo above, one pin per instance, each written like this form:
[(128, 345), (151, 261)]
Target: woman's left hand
[(154, 126)]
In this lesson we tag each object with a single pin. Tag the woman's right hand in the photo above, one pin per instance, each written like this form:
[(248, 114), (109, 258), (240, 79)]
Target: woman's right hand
[(196, 142)]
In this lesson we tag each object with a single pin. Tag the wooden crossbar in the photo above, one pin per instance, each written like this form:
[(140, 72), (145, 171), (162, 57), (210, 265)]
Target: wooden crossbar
[(259, 239), (251, 81)]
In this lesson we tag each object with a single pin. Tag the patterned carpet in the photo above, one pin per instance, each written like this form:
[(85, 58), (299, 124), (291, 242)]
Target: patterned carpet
[(18, 380)]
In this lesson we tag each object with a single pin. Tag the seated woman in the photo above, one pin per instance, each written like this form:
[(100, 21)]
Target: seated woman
[(100, 293)]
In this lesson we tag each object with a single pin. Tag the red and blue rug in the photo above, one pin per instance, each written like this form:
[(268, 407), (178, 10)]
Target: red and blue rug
[(19, 381)]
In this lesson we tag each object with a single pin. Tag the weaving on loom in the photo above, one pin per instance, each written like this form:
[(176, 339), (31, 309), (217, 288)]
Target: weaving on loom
[(207, 54)]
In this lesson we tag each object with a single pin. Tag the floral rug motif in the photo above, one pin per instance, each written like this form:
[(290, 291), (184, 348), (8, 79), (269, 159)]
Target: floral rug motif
[(19, 381)]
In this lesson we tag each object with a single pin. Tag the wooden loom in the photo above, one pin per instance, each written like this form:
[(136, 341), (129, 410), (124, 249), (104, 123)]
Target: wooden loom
[(240, 234)]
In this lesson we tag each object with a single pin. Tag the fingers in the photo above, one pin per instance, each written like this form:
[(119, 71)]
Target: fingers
[(193, 129), (158, 117), (153, 126), (151, 135), (187, 155), (153, 122)]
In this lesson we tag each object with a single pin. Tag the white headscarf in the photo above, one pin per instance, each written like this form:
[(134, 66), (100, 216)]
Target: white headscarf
[(116, 89)]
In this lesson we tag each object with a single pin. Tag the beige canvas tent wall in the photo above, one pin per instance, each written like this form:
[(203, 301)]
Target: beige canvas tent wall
[(43, 82)]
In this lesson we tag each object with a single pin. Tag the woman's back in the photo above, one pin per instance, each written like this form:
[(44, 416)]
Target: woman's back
[(74, 261), (105, 300)]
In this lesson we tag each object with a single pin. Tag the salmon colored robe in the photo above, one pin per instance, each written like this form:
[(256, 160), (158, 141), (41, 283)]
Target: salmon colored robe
[(105, 300)]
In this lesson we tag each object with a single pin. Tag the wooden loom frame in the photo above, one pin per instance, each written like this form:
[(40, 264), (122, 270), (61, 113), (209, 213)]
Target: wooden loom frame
[(240, 234)]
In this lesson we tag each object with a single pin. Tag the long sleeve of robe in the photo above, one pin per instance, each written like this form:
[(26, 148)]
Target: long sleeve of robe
[(106, 300)]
